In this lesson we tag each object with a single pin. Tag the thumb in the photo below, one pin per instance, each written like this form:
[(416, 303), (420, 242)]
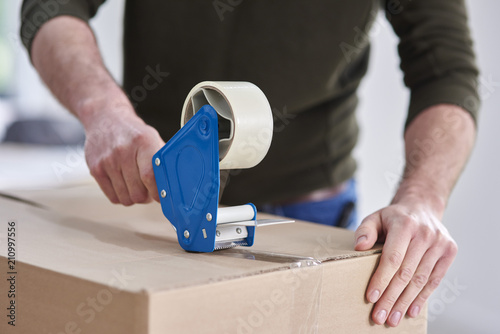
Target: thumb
[(367, 233), (144, 156)]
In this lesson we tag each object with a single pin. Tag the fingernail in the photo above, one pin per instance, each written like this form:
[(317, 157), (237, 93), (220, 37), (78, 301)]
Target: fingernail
[(415, 310), (361, 239), (373, 297), (395, 317), (381, 316)]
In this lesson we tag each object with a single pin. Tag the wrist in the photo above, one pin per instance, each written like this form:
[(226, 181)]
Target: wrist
[(413, 193), (113, 104)]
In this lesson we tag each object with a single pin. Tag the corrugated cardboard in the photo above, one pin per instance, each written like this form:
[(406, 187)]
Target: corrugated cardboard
[(87, 266)]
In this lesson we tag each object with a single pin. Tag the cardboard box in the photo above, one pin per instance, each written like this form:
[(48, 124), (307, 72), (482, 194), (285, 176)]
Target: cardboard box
[(84, 265)]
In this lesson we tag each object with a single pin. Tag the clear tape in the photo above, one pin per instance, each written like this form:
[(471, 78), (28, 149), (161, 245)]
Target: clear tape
[(293, 261)]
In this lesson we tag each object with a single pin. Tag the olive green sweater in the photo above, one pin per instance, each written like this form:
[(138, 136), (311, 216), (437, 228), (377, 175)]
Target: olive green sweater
[(307, 56)]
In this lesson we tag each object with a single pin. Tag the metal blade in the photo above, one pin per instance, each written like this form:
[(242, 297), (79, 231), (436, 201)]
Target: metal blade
[(260, 222)]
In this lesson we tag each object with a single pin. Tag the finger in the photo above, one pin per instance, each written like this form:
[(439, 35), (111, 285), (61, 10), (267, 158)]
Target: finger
[(147, 177), (367, 233), (399, 282), (146, 168), (104, 182), (442, 266), (107, 188), (119, 186), (415, 286), (136, 189), (394, 251)]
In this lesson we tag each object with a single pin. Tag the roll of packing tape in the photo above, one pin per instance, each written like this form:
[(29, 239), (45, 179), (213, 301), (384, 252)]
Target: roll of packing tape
[(245, 120)]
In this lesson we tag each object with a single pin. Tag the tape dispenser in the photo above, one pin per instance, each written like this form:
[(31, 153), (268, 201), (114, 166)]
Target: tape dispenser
[(224, 125)]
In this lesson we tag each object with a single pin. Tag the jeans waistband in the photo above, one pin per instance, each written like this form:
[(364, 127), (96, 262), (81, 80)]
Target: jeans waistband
[(317, 195)]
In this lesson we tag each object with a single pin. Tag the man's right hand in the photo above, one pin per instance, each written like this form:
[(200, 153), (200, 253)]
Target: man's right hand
[(118, 148)]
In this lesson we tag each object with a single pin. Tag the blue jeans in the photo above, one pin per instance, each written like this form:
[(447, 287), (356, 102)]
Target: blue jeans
[(338, 210)]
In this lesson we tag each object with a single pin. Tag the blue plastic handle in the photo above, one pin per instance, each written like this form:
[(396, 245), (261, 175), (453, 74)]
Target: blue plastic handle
[(188, 180)]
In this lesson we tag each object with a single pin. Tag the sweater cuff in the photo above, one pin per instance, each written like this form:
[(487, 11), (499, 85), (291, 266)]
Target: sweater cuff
[(445, 90), (35, 13)]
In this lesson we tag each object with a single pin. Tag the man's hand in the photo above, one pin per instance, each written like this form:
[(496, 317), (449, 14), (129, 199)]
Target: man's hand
[(418, 251), (118, 150)]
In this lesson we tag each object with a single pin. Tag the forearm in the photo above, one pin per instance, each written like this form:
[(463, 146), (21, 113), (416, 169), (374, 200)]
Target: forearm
[(437, 143), (66, 55)]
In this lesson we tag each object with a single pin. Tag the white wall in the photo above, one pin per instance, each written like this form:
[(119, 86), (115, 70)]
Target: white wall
[(472, 216)]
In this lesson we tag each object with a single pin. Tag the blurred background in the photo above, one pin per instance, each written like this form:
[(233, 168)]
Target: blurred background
[(467, 300)]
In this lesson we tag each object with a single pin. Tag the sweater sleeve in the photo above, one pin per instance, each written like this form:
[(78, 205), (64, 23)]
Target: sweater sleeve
[(436, 53), (34, 13)]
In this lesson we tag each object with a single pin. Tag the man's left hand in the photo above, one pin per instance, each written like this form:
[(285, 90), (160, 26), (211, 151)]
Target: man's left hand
[(417, 252)]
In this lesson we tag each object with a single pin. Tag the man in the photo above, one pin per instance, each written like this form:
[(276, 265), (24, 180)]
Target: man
[(308, 59)]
